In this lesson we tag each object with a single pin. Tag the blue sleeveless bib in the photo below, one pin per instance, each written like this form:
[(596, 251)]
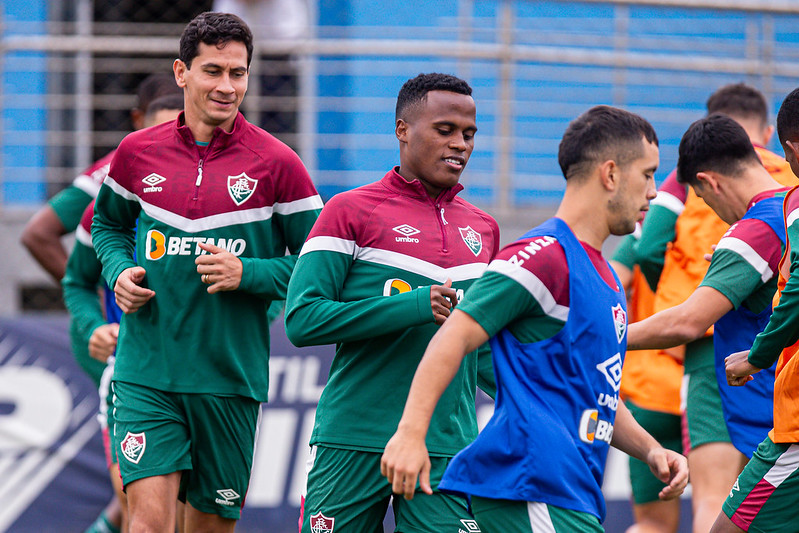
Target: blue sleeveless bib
[(748, 410), (556, 400)]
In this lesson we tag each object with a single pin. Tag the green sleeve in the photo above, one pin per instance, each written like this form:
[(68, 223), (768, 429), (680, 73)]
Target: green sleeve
[(114, 232), (783, 327), (625, 252), (269, 278), (315, 313), (69, 205), (485, 371), (80, 284), (657, 232), (732, 276), (496, 301)]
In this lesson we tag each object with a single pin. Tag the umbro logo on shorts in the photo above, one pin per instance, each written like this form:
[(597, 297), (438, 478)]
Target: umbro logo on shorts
[(470, 525), (227, 497)]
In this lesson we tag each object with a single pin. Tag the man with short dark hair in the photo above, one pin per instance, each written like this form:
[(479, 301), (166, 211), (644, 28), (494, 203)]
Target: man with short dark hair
[(218, 201), (678, 231), (554, 313), (383, 266), (763, 497), (735, 296)]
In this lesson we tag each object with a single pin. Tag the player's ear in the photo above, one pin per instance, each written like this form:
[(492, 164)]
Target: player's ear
[(792, 147), (179, 68), (708, 180), (401, 130), (609, 175)]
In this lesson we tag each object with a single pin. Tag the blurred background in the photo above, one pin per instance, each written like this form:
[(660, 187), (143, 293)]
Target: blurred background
[(325, 77)]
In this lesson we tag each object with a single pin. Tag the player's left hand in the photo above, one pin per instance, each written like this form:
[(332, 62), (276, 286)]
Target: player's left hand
[(103, 341), (738, 368), (405, 460), (219, 269), (671, 468)]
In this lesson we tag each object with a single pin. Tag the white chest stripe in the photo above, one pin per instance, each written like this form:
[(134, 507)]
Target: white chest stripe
[(220, 220), (534, 286), (394, 259), (749, 254)]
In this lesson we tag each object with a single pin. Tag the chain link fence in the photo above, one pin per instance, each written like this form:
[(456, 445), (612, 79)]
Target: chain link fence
[(70, 70)]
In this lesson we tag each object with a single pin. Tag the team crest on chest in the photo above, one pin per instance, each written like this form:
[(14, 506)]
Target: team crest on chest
[(620, 321), (241, 187), (133, 446), (322, 524), (472, 239)]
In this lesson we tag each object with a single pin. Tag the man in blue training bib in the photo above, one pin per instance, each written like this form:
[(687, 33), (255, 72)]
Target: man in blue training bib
[(555, 315)]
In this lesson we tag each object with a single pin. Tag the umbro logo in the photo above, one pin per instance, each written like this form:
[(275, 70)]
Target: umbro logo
[(611, 369), (227, 497), (152, 181), (407, 231), (470, 525)]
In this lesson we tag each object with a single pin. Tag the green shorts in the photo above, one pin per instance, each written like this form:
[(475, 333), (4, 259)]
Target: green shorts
[(667, 429), (763, 498), (345, 490), (703, 411), (508, 516), (209, 438)]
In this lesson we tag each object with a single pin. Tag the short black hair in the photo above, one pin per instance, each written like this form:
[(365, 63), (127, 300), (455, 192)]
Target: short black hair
[(716, 143), (788, 118), (214, 29), (414, 91), (739, 100), (603, 133), (155, 86), (170, 101)]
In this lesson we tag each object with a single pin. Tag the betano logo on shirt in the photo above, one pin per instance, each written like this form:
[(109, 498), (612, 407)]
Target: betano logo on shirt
[(592, 428), (157, 245), (398, 286)]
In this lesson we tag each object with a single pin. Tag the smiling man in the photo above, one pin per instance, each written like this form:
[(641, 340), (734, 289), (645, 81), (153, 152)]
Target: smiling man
[(382, 268), (554, 313), (217, 201)]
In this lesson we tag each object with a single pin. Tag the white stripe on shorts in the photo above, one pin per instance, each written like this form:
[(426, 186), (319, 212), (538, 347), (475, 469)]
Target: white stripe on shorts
[(540, 521), (784, 467)]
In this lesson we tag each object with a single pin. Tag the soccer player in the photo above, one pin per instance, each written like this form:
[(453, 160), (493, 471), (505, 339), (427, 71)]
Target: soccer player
[(555, 316), (382, 268), (94, 324), (217, 200), (764, 496), (677, 233), (735, 296), (62, 213)]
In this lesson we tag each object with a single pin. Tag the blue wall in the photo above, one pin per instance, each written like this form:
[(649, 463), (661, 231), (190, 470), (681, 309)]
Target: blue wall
[(24, 115)]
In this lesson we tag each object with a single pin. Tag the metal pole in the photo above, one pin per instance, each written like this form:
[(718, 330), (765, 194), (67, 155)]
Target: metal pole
[(307, 91), (84, 91), (505, 111), (621, 41)]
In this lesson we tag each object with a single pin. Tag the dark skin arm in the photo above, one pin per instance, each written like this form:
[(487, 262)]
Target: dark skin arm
[(42, 237)]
